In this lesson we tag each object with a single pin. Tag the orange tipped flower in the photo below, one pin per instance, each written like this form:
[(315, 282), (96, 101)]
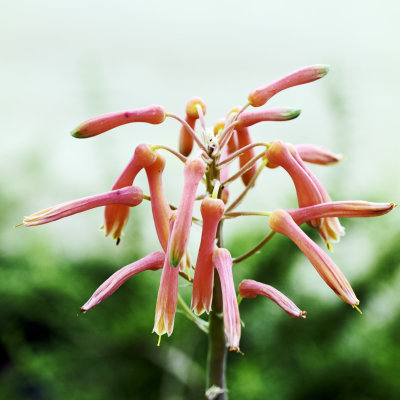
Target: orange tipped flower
[(116, 216), (340, 209), (317, 154), (153, 262), (249, 118), (192, 114), (222, 261), (105, 122), (261, 95), (306, 190), (167, 298), (129, 196), (211, 211), (280, 221), (249, 289), (159, 204), (193, 172)]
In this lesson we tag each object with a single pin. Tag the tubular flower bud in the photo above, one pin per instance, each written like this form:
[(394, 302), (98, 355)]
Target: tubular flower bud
[(258, 97), (244, 139), (306, 190), (159, 204), (105, 122), (330, 228), (340, 209), (129, 196), (249, 289), (249, 118), (211, 212), (317, 155), (222, 261), (116, 215), (167, 298), (185, 138), (153, 262), (281, 222), (193, 172)]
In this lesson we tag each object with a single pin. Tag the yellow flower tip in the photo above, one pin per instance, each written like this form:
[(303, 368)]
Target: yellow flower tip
[(394, 205), (322, 69), (355, 306), (77, 133), (304, 314), (329, 245), (16, 226), (234, 348), (81, 311), (159, 340)]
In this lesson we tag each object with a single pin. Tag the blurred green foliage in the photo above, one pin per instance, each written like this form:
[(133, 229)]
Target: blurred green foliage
[(47, 352)]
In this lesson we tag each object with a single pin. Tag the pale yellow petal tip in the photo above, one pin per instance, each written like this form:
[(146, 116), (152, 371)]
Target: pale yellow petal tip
[(354, 306), (304, 314)]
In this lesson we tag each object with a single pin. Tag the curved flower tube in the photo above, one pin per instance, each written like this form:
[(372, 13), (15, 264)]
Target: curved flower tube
[(185, 138), (222, 261), (105, 122), (159, 204), (193, 172), (153, 262), (258, 97), (244, 139), (211, 210), (281, 222), (167, 298), (249, 118), (317, 154), (116, 216), (129, 196), (250, 289)]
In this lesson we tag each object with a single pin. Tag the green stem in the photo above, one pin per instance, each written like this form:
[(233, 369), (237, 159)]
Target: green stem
[(217, 349), (203, 325)]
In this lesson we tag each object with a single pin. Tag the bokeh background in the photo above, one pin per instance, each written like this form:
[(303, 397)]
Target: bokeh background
[(64, 62)]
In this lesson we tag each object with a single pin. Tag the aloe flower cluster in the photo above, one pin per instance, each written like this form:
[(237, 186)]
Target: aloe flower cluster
[(207, 175)]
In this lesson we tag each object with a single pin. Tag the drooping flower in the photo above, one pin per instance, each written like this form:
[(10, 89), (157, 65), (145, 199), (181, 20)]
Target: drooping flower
[(153, 262), (249, 118), (340, 209), (167, 297), (192, 114), (317, 154), (116, 216), (129, 196), (250, 288), (159, 204), (281, 222), (261, 95), (193, 172), (211, 212), (222, 261), (105, 122), (306, 190)]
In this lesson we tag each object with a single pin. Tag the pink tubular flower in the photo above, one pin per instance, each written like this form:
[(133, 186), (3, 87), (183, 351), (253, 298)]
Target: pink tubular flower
[(116, 216), (316, 154), (153, 262), (222, 261), (159, 204), (129, 196), (211, 211), (192, 114), (306, 190), (167, 297), (249, 289), (341, 209), (258, 97), (280, 221), (249, 118), (330, 228), (105, 122), (244, 139), (193, 172)]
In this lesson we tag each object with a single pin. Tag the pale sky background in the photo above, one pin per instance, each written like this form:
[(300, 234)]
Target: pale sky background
[(64, 62)]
